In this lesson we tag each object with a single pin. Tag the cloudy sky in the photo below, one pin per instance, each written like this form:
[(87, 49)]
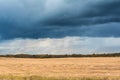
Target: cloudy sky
[(59, 26)]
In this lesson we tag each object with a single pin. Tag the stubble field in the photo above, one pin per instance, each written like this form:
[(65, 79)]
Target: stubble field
[(108, 67)]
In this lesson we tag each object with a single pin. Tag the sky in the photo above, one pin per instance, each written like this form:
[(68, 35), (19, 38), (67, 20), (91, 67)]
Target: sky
[(59, 26)]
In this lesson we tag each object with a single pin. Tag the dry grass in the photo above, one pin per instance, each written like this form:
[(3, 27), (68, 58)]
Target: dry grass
[(63, 67)]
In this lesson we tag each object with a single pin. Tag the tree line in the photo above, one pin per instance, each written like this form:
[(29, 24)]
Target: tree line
[(60, 56)]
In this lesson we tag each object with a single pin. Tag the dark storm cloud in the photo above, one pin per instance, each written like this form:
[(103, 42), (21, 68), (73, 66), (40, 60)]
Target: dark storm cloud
[(59, 18), (97, 13)]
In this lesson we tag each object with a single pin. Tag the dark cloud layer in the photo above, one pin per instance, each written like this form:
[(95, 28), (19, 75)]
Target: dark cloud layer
[(98, 13), (59, 18)]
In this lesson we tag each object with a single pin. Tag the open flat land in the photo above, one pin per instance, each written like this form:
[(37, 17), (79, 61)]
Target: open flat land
[(61, 67)]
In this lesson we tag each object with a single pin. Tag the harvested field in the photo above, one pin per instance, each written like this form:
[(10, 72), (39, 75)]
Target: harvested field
[(62, 67)]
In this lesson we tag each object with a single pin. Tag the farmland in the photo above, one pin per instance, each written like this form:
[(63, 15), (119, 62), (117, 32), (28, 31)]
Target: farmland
[(65, 68)]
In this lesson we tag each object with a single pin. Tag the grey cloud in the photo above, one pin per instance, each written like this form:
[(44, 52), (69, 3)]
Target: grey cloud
[(59, 18), (67, 45), (94, 12)]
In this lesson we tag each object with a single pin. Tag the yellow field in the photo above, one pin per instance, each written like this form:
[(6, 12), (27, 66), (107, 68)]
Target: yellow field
[(63, 67)]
